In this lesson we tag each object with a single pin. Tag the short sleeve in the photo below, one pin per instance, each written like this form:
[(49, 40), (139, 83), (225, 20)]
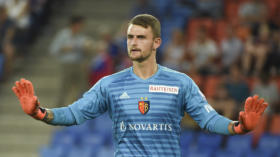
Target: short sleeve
[(91, 105)]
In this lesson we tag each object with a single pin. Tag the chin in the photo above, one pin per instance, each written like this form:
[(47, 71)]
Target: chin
[(138, 59), (135, 57)]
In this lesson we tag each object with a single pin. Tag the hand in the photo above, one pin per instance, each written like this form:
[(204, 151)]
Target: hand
[(29, 102), (250, 117)]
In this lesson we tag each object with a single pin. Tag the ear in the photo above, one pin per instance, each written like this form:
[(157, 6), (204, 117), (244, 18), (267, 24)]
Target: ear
[(157, 43)]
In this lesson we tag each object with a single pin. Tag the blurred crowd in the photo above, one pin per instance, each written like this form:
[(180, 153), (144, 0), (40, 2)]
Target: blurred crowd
[(20, 22)]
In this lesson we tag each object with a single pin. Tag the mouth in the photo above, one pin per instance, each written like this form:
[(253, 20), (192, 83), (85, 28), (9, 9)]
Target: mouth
[(133, 50)]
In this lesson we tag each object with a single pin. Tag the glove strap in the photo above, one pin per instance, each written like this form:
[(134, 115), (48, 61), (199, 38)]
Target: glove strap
[(238, 128), (39, 114)]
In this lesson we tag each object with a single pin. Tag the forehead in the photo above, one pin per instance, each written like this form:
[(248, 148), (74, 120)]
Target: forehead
[(138, 30)]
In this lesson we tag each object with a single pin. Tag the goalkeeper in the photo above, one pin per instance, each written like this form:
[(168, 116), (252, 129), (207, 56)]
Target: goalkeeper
[(146, 102)]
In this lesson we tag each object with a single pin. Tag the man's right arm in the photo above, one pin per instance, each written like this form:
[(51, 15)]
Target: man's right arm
[(30, 105), (59, 116), (91, 105)]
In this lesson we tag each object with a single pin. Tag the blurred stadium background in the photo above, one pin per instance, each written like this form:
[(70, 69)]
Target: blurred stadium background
[(231, 48)]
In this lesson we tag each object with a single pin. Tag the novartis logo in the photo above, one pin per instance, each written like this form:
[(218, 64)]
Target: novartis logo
[(122, 126), (145, 126)]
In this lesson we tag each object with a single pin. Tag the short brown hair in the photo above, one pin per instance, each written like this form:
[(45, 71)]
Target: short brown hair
[(146, 20), (76, 19)]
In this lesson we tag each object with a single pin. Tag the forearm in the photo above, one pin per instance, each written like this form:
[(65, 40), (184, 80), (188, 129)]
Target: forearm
[(59, 116), (219, 124)]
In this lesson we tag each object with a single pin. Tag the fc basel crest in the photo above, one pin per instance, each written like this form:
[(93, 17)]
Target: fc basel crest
[(144, 106)]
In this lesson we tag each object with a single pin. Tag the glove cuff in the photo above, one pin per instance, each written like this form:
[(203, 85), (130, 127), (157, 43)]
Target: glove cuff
[(238, 128), (39, 114)]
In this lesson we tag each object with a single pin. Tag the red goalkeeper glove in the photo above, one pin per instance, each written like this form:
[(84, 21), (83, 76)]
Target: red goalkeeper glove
[(250, 117), (29, 102)]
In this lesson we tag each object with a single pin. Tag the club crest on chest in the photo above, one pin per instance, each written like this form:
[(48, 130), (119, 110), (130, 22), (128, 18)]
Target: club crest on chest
[(144, 105)]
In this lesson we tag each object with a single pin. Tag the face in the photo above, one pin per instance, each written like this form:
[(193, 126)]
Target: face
[(76, 28), (201, 35), (140, 43)]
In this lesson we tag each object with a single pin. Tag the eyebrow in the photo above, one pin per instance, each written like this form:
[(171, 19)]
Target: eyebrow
[(138, 36)]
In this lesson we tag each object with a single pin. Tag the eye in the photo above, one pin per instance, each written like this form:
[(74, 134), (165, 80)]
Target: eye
[(141, 37), (129, 36)]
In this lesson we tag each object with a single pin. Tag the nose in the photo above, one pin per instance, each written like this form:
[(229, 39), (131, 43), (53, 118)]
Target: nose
[(133, 41)]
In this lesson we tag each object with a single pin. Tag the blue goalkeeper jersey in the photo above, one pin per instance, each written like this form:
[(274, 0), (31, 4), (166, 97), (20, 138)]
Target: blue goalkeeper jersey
[(146, 114)]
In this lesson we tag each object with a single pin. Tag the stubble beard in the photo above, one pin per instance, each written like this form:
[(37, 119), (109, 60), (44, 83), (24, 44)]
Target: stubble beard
[(141, 58)]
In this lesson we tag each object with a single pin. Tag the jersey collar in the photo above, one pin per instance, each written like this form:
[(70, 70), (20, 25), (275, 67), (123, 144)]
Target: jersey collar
[(148, 79)]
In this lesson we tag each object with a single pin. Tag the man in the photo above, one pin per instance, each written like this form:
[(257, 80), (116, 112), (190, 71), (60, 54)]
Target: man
[(7, 48), (231, 49), (204, 52), (69, 47), (145, 102)]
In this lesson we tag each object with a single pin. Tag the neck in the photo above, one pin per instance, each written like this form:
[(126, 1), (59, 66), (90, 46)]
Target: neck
[(145, 69)]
